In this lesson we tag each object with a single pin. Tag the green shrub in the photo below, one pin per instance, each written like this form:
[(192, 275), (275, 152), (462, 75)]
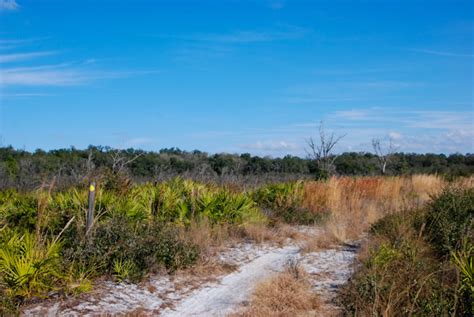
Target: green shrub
[(280, 196), (29, 267), (399, 276), (407, 270), (463, 260), (449, 218), (284, 202), (123, 269), (148, 245), (18, 210)]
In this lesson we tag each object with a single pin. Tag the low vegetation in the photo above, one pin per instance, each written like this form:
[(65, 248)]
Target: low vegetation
[(141, 229), (285, 294), (418, 262)]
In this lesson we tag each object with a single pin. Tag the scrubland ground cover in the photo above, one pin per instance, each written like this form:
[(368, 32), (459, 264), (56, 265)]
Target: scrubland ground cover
[(143, 229), (418, 262)]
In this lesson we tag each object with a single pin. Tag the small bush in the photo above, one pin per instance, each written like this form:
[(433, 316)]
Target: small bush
[(407, 270), (18, 210), (463, 260), (399, 276), (123, 269), (449, 218), (147, 246), (29, 267), (285, 202)]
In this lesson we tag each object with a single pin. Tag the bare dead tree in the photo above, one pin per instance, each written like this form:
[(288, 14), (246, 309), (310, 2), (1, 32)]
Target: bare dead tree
[(383, 153), (120, 161), (321, 150), (90, 163)]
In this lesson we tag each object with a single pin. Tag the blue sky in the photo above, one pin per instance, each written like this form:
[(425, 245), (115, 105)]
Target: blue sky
[(237, 76)]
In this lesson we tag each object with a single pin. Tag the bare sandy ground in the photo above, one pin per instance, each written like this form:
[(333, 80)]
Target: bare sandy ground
[(194, 296)]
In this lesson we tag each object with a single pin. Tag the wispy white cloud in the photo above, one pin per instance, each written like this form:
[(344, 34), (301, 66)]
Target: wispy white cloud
[(348, 90), (317, 100), (60, 75), (16, 57), (356, 114), (15, 43), (271, 145), (245, 37), (278, 33), (433, 119), (395, 135), (190, 52), (440, 120), (389, 84), (24, 95), (8, 5), (440, 53), (429, 119), (198, 47), (42, 76), (134, 142), (416, 131), (450, 141), (360, 71)]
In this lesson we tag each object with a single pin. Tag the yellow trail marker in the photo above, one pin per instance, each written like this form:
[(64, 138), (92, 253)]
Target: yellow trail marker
[(92, 188)]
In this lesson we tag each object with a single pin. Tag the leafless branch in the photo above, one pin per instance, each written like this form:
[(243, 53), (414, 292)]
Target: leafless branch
[(119, 161), (321, 151), (384, 154)]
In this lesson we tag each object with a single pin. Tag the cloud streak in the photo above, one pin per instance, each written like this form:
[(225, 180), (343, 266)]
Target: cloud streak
[(281, 33), (270, 145), (16, 57), (25, 95), (8, 5), (60, 75), (246, 37), (440, 53), (433, 119)]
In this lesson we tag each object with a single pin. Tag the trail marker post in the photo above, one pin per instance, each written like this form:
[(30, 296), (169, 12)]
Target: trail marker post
[(90, 209)]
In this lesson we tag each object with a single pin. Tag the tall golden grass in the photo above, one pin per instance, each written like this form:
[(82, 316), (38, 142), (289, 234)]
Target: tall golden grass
[(352, 203), (355, 203)]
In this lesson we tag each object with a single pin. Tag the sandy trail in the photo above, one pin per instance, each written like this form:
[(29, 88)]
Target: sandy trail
[(166, 296), (234, 289)]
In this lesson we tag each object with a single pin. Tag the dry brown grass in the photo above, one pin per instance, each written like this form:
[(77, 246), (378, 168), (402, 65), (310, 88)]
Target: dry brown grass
[(318, 243), (355, 203), (285, 294), (209, 239), (260, 233)]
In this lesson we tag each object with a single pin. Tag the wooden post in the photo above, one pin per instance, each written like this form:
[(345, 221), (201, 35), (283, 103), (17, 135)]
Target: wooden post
[(90, 210)]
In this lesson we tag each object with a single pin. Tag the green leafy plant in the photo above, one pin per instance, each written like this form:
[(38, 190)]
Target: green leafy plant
[(123, 269), (29, 267), (449, 217), (463, 260)]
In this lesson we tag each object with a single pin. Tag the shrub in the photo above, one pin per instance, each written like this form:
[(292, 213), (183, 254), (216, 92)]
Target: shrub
[(29, 267), (148, 246), (285, 202), (407, 269), (449, 218), (399, 276), (280, 196), (18, 210), (123, 269), (463, 260)]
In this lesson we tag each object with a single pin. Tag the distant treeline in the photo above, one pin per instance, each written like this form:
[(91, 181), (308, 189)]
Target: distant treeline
[(25, 170)]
